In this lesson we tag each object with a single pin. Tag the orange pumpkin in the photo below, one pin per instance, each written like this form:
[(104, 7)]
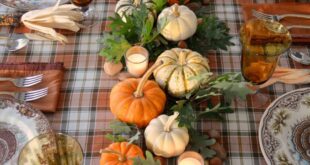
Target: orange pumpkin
[(138, 101), (180, 2), (120, 153)]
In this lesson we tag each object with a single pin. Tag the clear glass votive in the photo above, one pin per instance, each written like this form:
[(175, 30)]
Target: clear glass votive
[(190, 158), (137, 59)]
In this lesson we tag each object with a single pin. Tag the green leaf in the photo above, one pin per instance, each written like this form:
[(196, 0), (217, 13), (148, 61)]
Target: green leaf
[(148, 161), (187, 114), (119, 127), (215, 112), (159, 5), (231, 85), (122, 131), (114, 47), (126, 29), (115, 138), (201, 143), (138, 29), (135, 137), (211, 34)]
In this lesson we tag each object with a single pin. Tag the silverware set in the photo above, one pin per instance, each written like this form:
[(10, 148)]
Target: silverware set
[(26, 82), (272, 17), (296, 56)]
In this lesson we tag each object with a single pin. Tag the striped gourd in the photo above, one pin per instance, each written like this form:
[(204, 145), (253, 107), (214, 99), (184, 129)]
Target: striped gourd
[(125, 7), (178, 68)]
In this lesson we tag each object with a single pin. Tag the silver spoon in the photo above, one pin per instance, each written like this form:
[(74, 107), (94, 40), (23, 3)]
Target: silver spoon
[(300, 57), (15, 43)]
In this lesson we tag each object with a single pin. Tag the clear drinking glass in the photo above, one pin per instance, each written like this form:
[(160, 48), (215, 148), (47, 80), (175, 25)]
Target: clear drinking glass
[(88, 12), (262, 44), (51, 148)]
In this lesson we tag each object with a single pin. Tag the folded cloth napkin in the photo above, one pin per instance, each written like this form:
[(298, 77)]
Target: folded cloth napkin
[(298, 34), (52, 78), (45, 21), (288, 76)]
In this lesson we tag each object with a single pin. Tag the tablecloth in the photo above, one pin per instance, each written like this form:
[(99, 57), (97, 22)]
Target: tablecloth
[(83, 109)]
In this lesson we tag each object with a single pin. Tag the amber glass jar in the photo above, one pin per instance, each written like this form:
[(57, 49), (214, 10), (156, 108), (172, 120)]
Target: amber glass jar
[(262, 44)]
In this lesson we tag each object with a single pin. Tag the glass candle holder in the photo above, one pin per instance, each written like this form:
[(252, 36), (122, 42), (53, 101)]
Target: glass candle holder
[(137, 59), (190, 158)]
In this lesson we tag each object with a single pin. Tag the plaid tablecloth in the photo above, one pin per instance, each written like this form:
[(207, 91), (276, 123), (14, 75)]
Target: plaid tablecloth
[(83, 110)]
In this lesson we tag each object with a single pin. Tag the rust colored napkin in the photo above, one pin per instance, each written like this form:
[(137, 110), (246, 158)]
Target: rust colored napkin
[(288, 76), (52, 78), (298, 35)]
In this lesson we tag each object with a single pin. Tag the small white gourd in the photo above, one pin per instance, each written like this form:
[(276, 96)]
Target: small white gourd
[(177, 23), (164, 137)]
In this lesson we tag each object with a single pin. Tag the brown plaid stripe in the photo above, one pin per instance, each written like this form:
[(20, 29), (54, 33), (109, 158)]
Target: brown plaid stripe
[(83, 109)]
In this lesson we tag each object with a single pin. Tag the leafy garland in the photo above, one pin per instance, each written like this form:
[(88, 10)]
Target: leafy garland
[(228, 86), (211, 34), (140, 29)]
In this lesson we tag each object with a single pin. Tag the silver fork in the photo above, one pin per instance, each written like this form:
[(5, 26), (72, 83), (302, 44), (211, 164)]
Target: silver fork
[(28, 96), (24, 81), (271, 17)]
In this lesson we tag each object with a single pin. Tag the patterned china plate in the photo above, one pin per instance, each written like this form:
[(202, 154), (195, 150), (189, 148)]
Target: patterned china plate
[(284, 130), (19, 123), (27, 5)]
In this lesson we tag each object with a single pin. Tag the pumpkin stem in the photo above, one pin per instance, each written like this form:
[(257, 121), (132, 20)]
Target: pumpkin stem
[(121, 157), (143, 80), (170, 121), (175, 10), (137, 3), (182, 57)]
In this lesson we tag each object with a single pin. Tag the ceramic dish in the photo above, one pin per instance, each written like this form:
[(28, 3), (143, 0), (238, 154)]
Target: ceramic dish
[(19, 123), (27, 5), (284, 129)]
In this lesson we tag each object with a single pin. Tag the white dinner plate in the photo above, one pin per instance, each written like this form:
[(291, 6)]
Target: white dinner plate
[(284, 130), (27, 5), (19, 123)]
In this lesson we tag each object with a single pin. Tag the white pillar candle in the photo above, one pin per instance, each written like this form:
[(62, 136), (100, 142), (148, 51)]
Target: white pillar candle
[(137, 61), (189, 161)]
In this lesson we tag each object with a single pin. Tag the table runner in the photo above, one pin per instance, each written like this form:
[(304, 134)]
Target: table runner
[(83, 110)]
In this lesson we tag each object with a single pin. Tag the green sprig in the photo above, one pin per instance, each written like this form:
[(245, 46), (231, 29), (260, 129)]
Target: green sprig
[(211, 34), (121, 132), (148, 161), (114, 47)]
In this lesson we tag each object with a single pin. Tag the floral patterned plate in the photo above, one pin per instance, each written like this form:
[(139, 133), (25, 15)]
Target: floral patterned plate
[(284, 130), (19, 123), (27, 5)]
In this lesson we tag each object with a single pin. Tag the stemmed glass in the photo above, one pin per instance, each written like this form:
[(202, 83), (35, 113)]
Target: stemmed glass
[(88, 12), (262, 44)]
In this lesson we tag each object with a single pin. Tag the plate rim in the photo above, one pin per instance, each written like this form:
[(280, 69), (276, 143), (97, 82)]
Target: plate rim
[(29, 106), (21, 10), (264, 115)]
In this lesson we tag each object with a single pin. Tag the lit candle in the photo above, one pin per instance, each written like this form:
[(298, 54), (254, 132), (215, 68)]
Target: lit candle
[(137, 60), (190, 158), (189, 161)]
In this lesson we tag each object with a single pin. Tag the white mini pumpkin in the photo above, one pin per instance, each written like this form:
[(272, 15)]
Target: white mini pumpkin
[(164, 137), (125, 7), (180, 65), (177, 23)]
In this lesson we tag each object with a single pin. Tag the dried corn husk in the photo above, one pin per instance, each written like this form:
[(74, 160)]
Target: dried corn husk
[(288, 76), (45, 21)]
